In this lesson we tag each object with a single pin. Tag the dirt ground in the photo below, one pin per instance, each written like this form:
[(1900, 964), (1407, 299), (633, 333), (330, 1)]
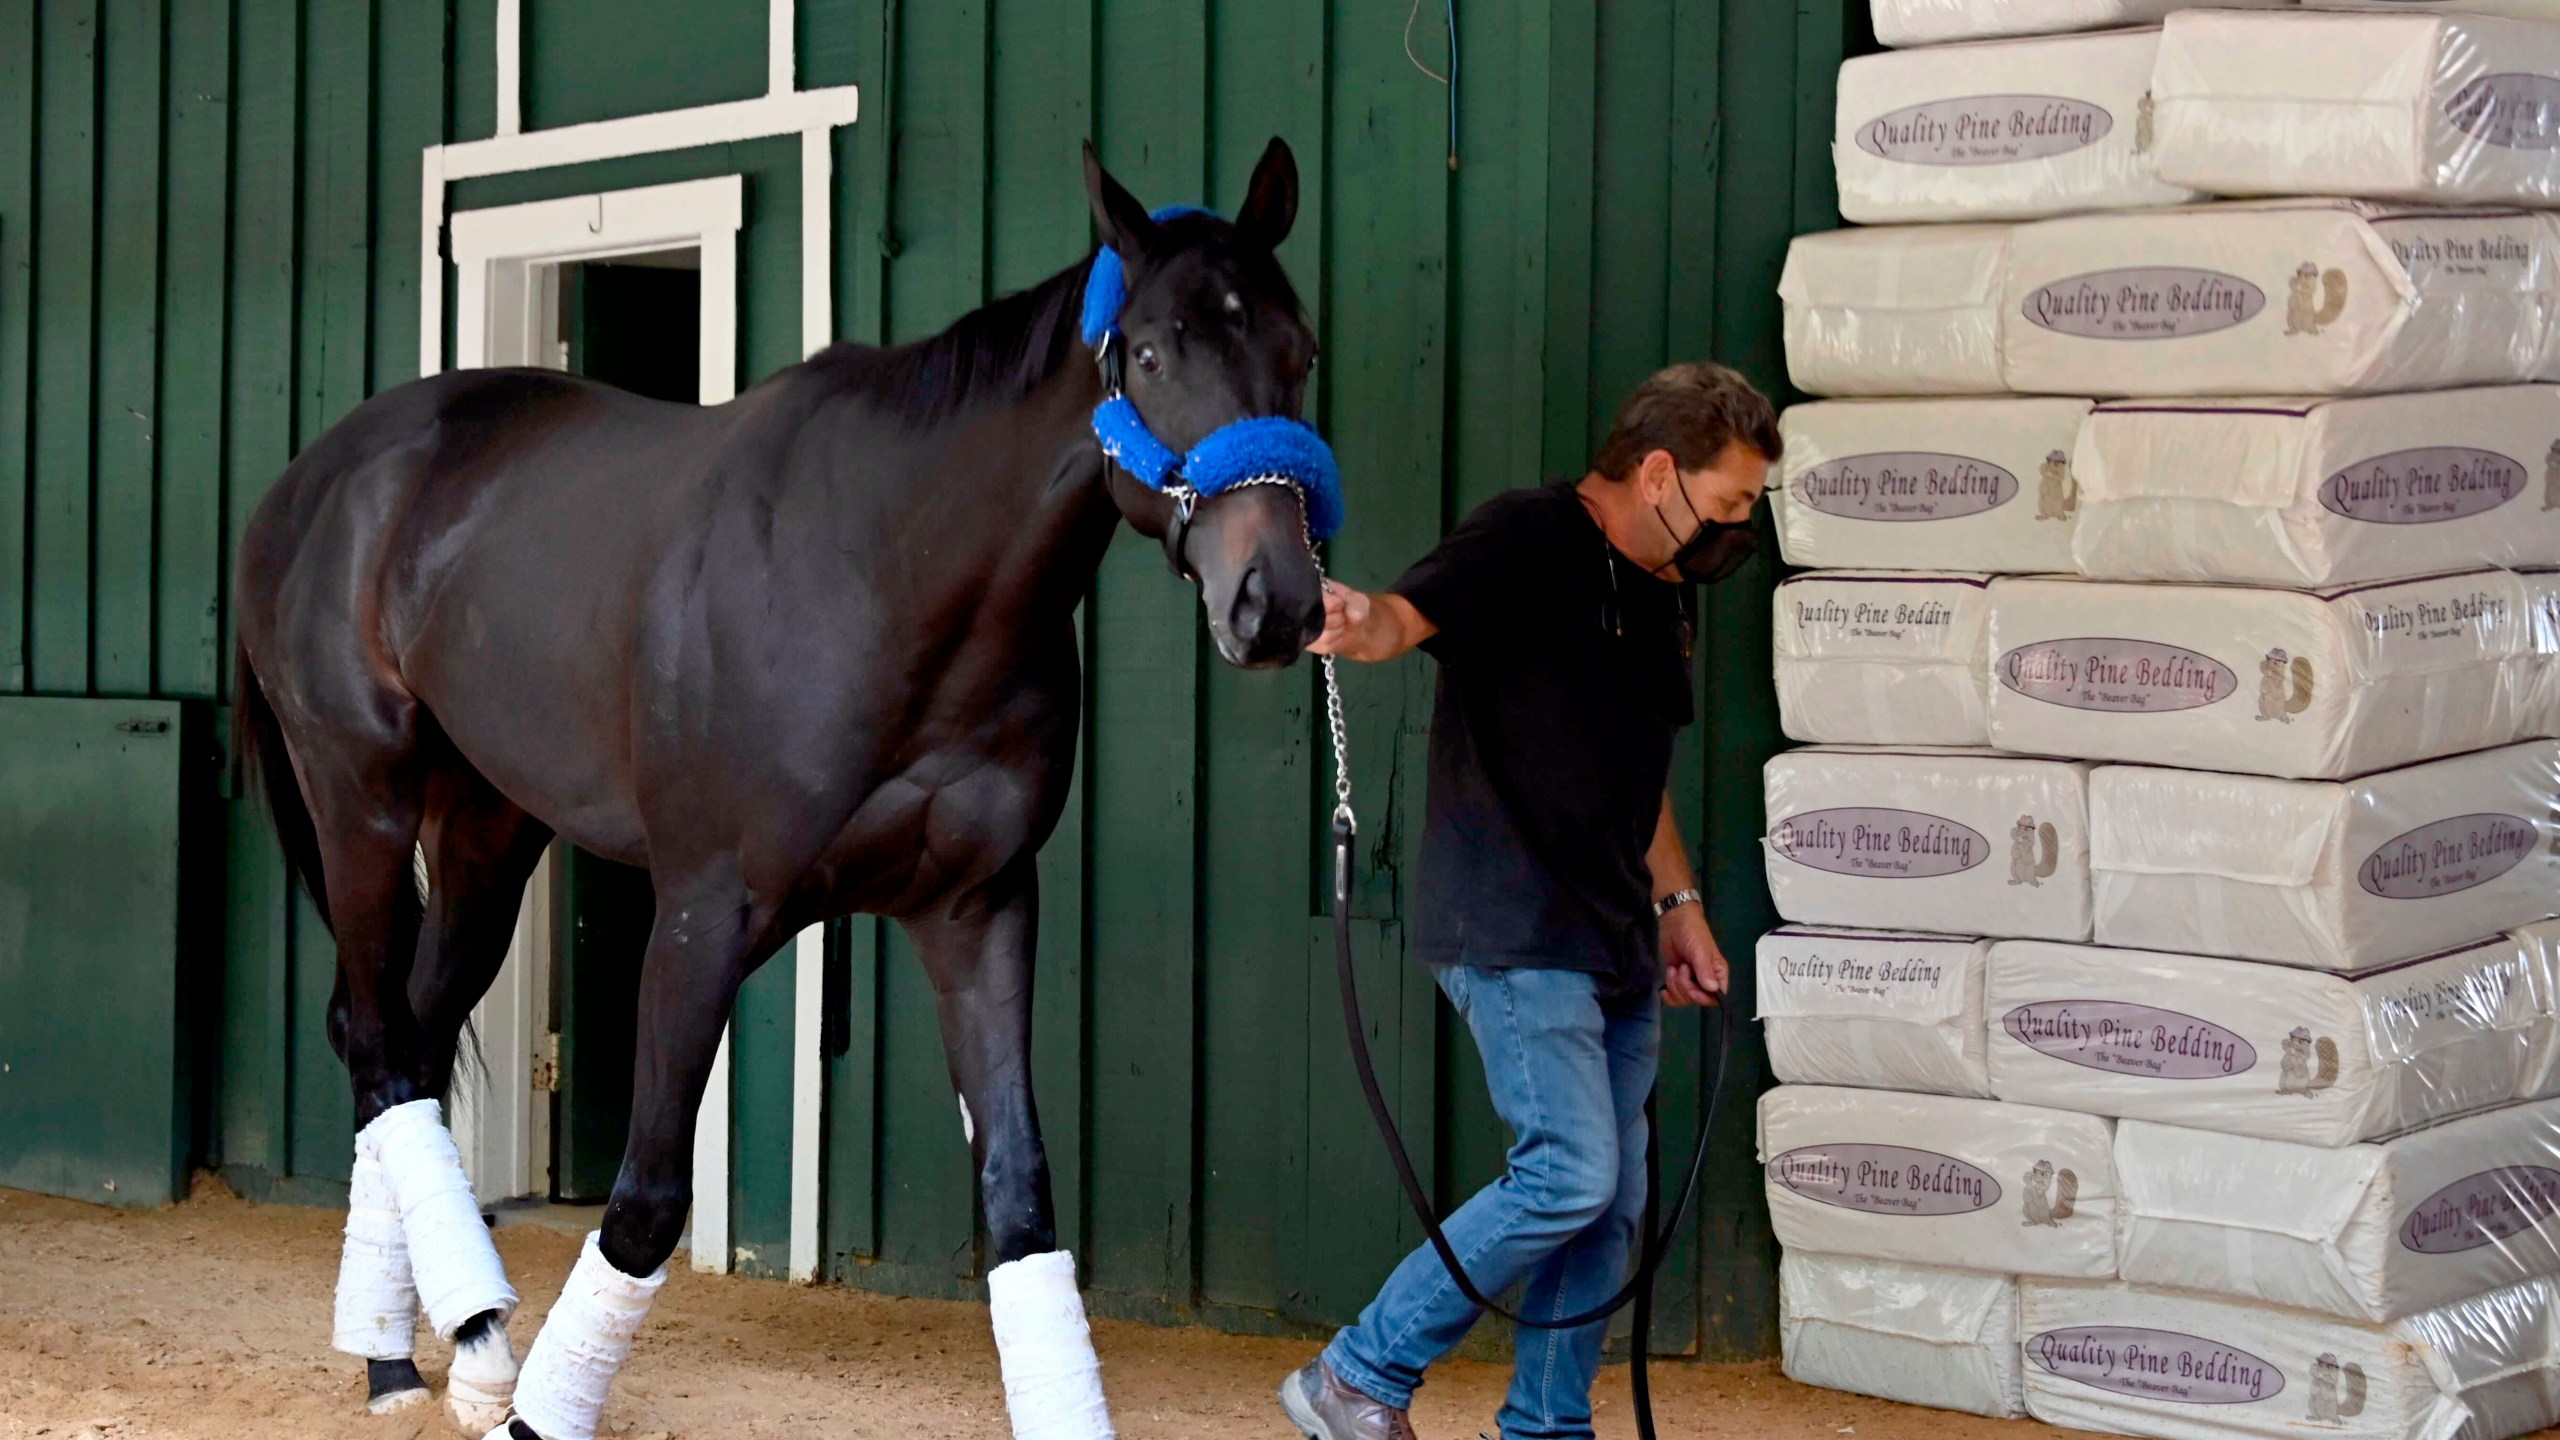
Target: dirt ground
[(210, 1321)]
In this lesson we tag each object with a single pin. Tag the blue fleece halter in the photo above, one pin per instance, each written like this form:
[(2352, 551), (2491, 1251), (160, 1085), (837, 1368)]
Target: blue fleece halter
[(1257, 448)]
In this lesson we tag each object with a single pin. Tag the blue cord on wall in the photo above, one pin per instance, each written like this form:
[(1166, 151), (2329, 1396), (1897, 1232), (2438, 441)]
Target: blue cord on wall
[(1450, 80)]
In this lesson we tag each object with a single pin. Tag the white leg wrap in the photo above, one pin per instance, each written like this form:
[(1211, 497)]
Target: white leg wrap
[(1052, 1382), (377, 1300), (583, 1342), (455, 1262)]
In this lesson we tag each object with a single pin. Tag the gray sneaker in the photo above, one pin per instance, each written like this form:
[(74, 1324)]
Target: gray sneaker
[(1323, 1408)]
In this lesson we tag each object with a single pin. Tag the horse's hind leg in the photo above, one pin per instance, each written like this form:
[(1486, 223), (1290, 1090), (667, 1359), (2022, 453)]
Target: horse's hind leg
[(979, 956), (480, 850), (358, 759)]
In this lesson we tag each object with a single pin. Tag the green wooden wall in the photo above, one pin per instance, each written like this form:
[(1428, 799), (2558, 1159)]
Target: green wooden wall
[(208, 221)]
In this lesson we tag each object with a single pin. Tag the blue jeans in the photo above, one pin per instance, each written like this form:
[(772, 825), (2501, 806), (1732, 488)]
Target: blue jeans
[(1569, 1078)]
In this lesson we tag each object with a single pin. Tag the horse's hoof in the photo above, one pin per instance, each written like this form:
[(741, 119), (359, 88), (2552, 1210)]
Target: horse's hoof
[(397, 1400), (478, 1417)]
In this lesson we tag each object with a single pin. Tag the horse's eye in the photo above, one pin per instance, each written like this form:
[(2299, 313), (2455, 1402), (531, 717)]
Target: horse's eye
[(1147, 359)]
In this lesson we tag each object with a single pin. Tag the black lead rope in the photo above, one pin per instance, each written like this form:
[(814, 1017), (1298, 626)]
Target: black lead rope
[(1657, 1240)]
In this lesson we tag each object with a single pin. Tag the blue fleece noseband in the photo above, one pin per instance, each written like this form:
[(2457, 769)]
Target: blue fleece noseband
[(1257, 448)]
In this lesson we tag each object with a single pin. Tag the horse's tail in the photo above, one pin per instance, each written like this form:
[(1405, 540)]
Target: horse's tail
[(257, 750)]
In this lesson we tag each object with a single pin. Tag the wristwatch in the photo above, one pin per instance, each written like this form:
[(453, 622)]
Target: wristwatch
[(1675, 900)]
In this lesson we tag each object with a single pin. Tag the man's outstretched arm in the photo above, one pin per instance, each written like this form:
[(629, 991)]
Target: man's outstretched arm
[(1371, 628)]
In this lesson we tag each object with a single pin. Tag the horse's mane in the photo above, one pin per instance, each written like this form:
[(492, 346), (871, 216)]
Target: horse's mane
[(995, 354)]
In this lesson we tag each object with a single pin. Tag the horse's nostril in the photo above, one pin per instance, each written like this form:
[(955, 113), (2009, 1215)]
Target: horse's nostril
[(1253, 603)]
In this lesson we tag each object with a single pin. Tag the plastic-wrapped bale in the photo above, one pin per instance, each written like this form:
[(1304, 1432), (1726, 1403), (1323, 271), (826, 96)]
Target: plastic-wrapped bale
[(1897, 310), (2180, 1366), (2432, 108), (1999, 130), (2278, 297), (2514, 9), (1878, 1008), (1954, 840), (2541, 942), (2319, 683), (1883, 657), (2319, 492), (2534, 676), (1934, 22), (2262, 1050), (2334, 874), (1919, 1334), (2371, 1232), (1937, 1180), (1981, 485)]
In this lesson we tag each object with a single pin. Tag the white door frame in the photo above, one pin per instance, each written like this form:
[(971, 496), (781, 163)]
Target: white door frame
[(506, 312)]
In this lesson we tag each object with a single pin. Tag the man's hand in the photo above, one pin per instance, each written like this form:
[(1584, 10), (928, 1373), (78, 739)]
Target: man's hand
[(1345, 610), (1371, 628), (1693, 968)]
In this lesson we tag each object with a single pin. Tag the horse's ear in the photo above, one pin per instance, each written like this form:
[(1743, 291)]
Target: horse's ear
[(1116, 213), (1271, 204)]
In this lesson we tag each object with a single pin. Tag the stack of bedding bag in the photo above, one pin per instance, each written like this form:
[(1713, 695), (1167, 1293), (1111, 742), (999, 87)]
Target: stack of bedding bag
[(2169, 1004)]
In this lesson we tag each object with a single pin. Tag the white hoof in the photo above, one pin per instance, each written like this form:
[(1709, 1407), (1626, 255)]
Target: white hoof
[(480, 1387), (396, 1400)]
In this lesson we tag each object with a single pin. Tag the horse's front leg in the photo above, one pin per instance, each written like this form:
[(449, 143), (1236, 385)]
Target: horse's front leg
[(705, 943), (979, 956)]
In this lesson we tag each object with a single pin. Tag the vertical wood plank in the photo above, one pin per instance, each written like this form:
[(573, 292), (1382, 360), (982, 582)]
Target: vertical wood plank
[(19, 138), (126, 438), (1572, 137), (65, 310), (190, 564), (1262, 766), (258, 366), (337, 196), (408, 116), (1143, 780), (1629, 267), (850, 1224), (1040, 96)]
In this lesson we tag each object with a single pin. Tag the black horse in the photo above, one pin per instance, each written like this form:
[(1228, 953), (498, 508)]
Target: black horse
[(804, 654)]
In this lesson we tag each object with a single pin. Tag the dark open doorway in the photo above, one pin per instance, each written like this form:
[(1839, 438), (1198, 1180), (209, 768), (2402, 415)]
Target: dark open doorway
[(635, 323)]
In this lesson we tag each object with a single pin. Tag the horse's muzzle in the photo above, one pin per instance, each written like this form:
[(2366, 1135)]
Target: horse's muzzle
[(1261, 629)]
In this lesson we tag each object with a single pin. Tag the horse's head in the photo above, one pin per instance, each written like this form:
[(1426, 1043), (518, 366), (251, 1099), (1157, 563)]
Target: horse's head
[(1212, 333)]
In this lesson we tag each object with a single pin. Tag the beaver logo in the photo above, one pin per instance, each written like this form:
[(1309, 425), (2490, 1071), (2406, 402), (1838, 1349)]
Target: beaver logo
[(2034, 851), (2051, 1194), (2275, 701), (2057, 494), (2142, 125), (2314, 299), (2296, 1075)]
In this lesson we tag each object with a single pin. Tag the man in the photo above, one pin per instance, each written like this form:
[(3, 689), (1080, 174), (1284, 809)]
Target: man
[(1555, 900)]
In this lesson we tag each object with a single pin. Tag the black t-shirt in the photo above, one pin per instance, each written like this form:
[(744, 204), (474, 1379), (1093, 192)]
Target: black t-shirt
[(1563, 680)]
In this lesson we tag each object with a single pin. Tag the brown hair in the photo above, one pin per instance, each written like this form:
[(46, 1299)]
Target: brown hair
[(1693, 411)]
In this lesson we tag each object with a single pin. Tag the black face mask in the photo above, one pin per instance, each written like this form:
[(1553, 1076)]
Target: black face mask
[(1714, 550)]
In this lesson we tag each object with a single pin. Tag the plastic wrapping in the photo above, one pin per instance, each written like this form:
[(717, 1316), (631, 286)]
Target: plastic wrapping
[(2000, 130), (1937, 1180), (2334, 874), (2181, 1366), (1934, 22), (2319, 492), (1883, 657), (2312, 297), (2516, 9), (2432, 107), (2541, 942), (1981, 485), (1877, 1008), (2264, 1050), (2534, 676), (2321, 683), (1929, 838), (1919, 1334), (2370, 1232), (1901, 310)]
